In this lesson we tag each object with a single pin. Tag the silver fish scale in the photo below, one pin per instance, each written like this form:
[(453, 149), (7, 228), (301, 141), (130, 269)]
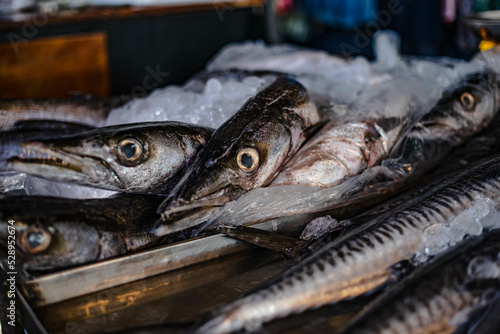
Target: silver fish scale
[(434, 305), (360, 262), (436, 299)]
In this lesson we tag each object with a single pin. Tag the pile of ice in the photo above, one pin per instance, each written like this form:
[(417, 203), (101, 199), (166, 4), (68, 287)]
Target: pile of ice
[(439, 237), (330, 80), (338, 79), (220, 99)]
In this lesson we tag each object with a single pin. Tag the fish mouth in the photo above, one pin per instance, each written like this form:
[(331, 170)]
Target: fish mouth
[(56, 164), (37, 154), (186, 219), (179, 215), (178, 207)]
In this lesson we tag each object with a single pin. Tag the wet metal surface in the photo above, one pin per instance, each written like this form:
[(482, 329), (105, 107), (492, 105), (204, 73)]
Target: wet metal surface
[(177, 296)]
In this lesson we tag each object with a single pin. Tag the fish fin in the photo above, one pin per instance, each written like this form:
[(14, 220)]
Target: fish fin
[(288, 246)]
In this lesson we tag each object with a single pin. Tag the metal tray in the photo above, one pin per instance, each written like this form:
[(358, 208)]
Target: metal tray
[(64, 285)]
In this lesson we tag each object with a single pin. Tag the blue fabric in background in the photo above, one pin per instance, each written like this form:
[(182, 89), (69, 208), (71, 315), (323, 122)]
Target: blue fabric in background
[(333, 23), (340, 13)]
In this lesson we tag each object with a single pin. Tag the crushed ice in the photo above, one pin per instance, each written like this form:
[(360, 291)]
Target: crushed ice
[(219, 100), (484, 214), (318, 227), (482, 267)]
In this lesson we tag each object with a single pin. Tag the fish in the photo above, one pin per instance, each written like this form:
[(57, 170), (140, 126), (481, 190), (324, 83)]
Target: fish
[(57, 233), (28, 130), (139, 158), (453, 293), (465, 108), (363, 260), (83, 110), (339, 151), (246, 152), (483, 144)]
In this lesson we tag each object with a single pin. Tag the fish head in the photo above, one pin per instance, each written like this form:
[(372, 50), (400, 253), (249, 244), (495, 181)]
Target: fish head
[(246, 152), (466, 107), (44, 244), (136, 158), (249, 162)]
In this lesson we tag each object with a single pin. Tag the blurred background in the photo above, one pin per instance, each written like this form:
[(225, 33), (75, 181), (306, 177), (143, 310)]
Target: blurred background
[(55, 48)]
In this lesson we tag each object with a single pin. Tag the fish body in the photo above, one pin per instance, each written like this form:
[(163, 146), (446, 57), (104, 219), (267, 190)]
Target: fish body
[(246, 152), (360, 261), (141, 157), (55, 233), (449, 295), (337, 152), (464, 109), (86, 111)]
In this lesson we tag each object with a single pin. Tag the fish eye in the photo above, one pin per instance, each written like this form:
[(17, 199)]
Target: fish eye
[(35, 240), (248, 159), (468, 101), (130, 150)]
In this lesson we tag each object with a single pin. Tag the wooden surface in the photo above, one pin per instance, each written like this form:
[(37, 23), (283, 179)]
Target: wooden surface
[(55, 67), (123, 12)]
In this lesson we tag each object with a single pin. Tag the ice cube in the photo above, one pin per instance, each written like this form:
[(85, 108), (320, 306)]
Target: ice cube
[(386, 46), (318, 227)]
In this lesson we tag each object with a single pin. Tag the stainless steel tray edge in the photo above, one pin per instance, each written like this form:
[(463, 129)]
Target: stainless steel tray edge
[(60, 286)]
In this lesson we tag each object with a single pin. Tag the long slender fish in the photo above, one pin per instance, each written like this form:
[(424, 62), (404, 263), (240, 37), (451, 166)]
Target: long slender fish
[(54, 233), (454, 293), (361, 260), (337, 152), (141, 157), (464, 109), (246, 152), (82, 110), (484, 144)]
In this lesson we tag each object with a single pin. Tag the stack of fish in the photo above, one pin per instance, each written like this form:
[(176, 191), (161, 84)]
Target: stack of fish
[(291, 148)]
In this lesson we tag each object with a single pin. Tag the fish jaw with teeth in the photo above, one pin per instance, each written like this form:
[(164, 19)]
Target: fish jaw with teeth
[(142, 157), (245, 153)]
